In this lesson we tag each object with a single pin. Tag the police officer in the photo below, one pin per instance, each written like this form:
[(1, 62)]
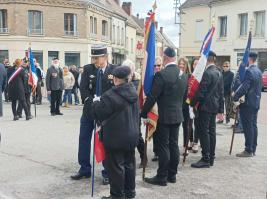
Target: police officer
[(211, 101), (251, 89), (88, 84), (168, 90)]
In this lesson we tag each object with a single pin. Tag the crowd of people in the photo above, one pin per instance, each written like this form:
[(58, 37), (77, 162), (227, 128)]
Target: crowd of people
[(109, 95)]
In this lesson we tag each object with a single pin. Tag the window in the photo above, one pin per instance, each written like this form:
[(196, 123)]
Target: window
[(104, 28), (70, 24), (127, 43), (113, 34), (259, 23), (51, 56), (38, 55), (72, 58), (122, 36), (200, 32), (3, 21), (118, 35), (35, 19), (132, 45), (243, 20), (3, 55), (93, 26), (223, 26)]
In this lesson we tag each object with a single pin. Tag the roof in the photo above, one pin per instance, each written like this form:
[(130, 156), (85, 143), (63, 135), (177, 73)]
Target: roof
[(194, 3)]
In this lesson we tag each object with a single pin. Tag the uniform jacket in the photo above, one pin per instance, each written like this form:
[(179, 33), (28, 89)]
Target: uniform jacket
[(76, 76), (16, 88), (69, 80), (119, 114), (54, 79), (27, 87), (88, 84), (3, 81), (228, 78), (251, 88), (168, 91), (210, 98)]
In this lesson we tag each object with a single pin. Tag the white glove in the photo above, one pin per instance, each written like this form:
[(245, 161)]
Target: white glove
[(96, 99), (236, 104), (191, 113), (242, 100)]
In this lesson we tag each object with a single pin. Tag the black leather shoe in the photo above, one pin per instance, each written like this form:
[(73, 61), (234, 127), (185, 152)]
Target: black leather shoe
[(29, 117), (53, 114), (80, 176), (156, 181), (201, 164), (16, 118), (155, 158), (129, 194), (105, 181), (59, 113), (20, 116), (171, 179)]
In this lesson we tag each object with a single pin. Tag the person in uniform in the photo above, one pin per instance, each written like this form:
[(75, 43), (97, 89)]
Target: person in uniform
[(27, 90), (88, 84), (251, 89), (16, 92), (210, 97), (167, 91), (55, 86), (118, 112)]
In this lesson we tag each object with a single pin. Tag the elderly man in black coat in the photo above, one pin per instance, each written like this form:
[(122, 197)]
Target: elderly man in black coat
[(168, 89), (118, 113), (2, 86)]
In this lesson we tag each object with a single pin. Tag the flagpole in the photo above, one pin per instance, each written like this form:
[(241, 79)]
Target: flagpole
[(93, 175), (145, 154)]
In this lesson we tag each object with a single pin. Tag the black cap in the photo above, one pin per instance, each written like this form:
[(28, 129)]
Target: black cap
[(169, 52), (253, 55), (122, 72), (98, 50), (212, 54)]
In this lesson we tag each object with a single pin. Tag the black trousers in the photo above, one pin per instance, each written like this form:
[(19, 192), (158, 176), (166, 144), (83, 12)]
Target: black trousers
[(28, 102), (166, 140), (141, 143), (55, 101), (23, 104), (207, 134), (121, 171)]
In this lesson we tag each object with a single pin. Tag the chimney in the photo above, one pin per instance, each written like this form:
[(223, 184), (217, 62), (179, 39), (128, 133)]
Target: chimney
[(156, 24), (127, 7), (161, 30), (118, 2)]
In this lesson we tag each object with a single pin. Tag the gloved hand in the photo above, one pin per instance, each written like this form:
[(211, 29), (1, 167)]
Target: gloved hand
[(96, 99), (191, 113), (242, 100)]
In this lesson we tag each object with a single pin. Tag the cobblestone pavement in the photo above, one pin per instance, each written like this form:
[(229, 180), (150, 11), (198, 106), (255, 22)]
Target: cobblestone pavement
[(37, 158)]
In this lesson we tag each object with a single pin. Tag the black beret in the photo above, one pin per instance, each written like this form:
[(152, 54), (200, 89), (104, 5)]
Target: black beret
[(121, 72), (169, 52), (253, 55), (212, 54), (98, 50)]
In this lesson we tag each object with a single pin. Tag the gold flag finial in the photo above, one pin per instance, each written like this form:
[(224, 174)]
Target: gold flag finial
[(155, 6)]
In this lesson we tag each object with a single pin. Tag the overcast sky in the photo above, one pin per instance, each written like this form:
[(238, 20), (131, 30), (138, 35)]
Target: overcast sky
[(165, 15)]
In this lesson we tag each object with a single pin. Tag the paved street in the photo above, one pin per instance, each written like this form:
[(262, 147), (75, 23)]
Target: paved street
[(37, 158)]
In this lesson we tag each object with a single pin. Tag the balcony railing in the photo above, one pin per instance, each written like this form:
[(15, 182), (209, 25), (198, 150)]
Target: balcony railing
[(71, 33), (4, 30), (33, 32)]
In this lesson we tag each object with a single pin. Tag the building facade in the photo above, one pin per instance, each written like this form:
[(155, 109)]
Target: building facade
[(232, 20)]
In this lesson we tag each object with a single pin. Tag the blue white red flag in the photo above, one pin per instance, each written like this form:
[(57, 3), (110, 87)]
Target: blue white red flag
[(197, 75), (33, 78)]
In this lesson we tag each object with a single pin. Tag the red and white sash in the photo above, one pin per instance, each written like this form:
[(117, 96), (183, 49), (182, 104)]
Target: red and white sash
[(15, 74)]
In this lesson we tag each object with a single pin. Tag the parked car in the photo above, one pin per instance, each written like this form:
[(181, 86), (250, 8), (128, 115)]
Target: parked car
[(264, 80)]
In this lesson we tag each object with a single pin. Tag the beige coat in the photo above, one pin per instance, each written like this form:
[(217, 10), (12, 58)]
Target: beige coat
[(69, 80)]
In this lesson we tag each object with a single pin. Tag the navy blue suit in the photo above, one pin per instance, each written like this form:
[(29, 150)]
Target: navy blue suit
[(251, 89)]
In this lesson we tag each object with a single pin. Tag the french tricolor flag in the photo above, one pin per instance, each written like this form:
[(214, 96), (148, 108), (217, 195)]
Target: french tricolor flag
[(196, 77)]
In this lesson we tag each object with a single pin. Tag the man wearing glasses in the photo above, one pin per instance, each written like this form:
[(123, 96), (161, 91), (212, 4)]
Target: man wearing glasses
[(228, 77)]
